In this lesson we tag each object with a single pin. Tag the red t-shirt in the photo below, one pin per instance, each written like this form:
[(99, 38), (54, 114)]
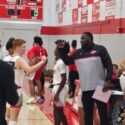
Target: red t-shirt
[(72, 67), (36, 50), (44, 51)]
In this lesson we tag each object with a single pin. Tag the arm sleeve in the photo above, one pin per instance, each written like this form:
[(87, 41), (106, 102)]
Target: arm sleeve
[(106, 60), (66, 58), (9, 86)]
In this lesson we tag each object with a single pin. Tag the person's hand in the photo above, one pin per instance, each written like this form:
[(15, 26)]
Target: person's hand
[(43, 59), (61, 44), (107, 86), (56, 97)]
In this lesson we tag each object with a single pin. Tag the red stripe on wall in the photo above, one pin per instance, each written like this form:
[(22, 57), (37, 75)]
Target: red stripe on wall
[(104, 27), (90, 1)]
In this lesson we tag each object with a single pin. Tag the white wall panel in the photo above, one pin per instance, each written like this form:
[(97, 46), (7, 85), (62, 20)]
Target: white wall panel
[(115, 45), (123, 9)]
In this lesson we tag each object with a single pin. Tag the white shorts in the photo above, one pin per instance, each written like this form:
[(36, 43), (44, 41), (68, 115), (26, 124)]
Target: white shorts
[(31, 76), (79, 99), (122, 82), (62, 96)]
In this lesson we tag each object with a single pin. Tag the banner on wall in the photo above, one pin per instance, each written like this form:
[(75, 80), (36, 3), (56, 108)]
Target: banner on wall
[(89, 18), (84, 12), (95, 11), (60, 17), (63, 5), (75, 4), (75, 16), (57, 5), (80, 3), (84, 2), (69, 4), (90, 1), (102, 10), (110, 9)]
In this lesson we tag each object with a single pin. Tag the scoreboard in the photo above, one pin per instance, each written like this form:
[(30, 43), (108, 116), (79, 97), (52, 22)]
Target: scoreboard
[(21, 9)]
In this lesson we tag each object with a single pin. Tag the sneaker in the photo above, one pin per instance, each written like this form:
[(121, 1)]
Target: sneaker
[(42, 97), (31, 100), (40, 101)]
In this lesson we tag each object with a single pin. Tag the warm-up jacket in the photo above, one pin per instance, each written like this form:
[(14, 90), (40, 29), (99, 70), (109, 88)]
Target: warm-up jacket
[(93, 63), (8, 91)]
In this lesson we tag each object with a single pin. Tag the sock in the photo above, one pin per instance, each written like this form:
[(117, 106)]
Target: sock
[(12, 123), (38, 97), (42, 97)]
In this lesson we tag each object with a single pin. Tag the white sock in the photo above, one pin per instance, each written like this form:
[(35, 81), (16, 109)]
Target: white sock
[(12, 123), (38, 97)]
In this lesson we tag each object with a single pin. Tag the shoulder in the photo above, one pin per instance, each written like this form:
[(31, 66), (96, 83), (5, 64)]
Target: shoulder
[(5, 66), (18, 60), (77, 51), (72, 51), (44, 51), (7, 58), (61, 63), (61, 66), (3, 52), (43, 48), (99, 48), (34, 48)]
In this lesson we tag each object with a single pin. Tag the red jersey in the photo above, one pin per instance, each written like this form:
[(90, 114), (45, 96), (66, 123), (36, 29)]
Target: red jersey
[(72, 67), (36, 50), (44, 51), (38, 72)]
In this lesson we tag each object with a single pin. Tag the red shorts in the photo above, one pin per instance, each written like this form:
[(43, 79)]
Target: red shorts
[(37, 74)]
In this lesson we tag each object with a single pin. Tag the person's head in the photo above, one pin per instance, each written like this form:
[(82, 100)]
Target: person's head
[(86, 39), (74, 44), (38, 41), (9, 46), (56, 53), (66, 48), (19, 46)]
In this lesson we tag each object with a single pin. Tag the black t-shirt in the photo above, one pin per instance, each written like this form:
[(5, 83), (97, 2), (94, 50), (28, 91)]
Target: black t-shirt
[(8, 91)]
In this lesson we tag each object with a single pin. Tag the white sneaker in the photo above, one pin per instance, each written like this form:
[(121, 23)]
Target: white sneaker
[(31, 100)]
